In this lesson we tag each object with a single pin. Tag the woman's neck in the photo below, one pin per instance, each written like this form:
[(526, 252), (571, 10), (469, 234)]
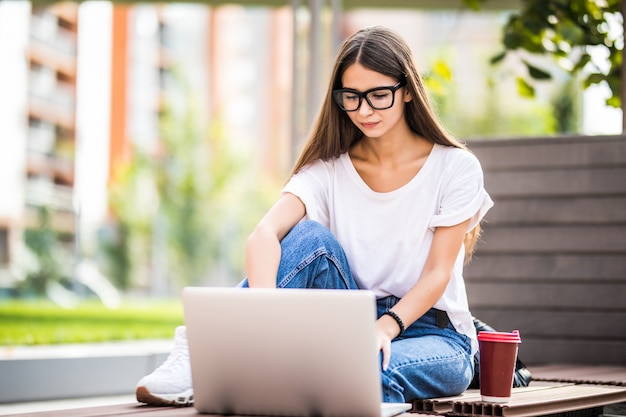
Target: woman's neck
[(391, 151), (388, 165)]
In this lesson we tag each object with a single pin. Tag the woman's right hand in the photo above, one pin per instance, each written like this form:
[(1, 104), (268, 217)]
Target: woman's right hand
[(263, 245)]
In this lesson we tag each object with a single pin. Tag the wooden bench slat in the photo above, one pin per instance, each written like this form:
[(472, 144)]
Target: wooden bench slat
[(557, 239), (554, 182), (557, 210), (562, 152), (565, 268), (548, 295), (608, 375), (566, 323), (528, 401), (542, 350), (577, 397), (132, 409)]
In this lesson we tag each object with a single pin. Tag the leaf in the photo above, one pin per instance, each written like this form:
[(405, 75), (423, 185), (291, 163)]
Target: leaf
[(442, 70), (473, 4), (497, 58), (584, 60), (615, 83), (595, 78), (513, 33), (537, 73), (561, 30), (524, 89), (435, 86), (570, 32), (614, 101)]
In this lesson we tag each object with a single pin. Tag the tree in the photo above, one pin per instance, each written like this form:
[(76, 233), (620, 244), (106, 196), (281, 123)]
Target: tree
[(182, 211), (569, 31), (48, 253), (169, 205)]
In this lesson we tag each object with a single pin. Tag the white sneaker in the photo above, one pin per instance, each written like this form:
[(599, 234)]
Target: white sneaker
[(170, 383)]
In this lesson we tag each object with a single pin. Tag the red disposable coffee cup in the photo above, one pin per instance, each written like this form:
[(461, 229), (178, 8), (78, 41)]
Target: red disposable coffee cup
[(498, 354)]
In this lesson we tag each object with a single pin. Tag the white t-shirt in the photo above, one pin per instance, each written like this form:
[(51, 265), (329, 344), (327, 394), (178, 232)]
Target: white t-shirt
[(387, 236)]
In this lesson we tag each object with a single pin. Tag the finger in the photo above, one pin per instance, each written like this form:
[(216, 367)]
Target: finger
[(386, 349)]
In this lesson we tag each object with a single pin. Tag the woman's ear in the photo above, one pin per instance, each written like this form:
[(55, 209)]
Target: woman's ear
[(407, 96)]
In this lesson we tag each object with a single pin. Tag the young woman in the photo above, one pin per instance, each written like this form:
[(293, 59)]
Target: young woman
[(381, 198)]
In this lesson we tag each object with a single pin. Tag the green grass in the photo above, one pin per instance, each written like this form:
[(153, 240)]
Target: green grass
[(37, 322)]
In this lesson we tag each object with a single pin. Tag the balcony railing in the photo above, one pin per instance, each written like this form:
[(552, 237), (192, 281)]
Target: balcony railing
[(41, 138), (44, 193), (58, 109), (59, 94), (44, 28)]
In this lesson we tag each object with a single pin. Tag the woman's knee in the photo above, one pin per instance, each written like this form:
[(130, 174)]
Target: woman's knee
[(312, 254), (311, 231), (311, 228)]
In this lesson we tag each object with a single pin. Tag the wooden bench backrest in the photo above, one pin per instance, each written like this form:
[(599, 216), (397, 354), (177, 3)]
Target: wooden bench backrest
[(552, 258)]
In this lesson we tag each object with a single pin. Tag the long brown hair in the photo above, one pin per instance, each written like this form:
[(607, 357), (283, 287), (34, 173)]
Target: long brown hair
[(382, 50)]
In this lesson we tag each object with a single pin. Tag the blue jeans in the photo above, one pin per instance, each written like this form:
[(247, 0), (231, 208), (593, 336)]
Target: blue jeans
[(426, 361)]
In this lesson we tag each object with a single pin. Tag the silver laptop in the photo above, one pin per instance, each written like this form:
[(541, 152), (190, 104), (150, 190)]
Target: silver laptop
[(286, 352)]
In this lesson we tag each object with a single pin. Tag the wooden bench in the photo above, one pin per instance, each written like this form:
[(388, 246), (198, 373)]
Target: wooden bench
[(540, 399), (565, 390), (556, 391), (552, 259)]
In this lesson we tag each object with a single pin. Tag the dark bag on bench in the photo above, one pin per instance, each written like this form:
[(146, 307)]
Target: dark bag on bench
[(521, 377)]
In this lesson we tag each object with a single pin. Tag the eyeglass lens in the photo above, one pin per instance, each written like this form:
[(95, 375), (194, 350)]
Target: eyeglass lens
[(378, 99)]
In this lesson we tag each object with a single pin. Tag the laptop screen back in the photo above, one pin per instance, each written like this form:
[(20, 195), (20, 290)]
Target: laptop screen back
[(283, 352)]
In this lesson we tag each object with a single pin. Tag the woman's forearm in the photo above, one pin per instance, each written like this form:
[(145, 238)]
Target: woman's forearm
[(262, 258)]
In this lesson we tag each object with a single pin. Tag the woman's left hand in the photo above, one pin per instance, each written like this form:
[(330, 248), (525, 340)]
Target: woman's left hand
[(385, 328), (384, 345)]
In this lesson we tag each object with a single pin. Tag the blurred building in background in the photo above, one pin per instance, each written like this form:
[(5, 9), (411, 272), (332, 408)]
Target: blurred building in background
[(39, 57), (81, 84)]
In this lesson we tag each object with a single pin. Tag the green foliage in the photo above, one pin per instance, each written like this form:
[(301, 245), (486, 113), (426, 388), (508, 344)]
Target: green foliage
[(168, 204), (439, 78), (567, 108), (34, 322), (115, 247), (474, 4), (524, 89), (492, 112), (45, 244), (191, 179), (184, 210), (566, 31)]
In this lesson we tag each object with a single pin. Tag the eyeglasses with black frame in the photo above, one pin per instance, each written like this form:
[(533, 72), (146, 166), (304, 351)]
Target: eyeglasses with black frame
[(379, 98)]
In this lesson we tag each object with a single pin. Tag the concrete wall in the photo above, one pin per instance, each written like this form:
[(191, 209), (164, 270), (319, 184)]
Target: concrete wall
[(75, 371)]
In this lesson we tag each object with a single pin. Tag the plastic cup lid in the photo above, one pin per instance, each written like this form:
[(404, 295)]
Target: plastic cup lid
[(512, 337)]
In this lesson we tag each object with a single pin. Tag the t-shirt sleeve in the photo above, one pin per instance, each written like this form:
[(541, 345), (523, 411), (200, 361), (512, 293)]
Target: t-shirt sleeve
[(310, 185), (463, 195)]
